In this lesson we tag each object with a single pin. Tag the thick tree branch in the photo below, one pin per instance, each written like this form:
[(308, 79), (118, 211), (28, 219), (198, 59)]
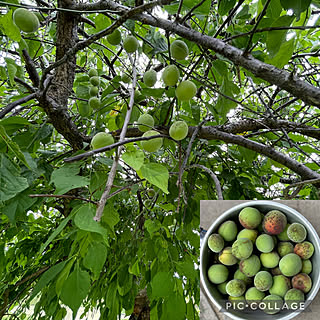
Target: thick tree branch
[(281, 78)]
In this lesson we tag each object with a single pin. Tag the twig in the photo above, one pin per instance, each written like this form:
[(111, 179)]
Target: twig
[(12, 105), (112, 146), (64, 196), (229, 17), (256, 26), (188, 15), (123, 133), (213, 176), (300, 185)]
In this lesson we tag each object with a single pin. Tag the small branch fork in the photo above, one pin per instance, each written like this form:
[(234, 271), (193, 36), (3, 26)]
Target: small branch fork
[(212, 175), (123, 133), (299, 186)]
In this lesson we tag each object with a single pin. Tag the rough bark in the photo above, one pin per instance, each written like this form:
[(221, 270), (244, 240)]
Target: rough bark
[(141, 310), (54, 98)]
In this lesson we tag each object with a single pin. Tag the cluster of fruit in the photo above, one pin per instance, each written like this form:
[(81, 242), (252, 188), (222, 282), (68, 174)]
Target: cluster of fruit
[(262, 257), (94, 101)]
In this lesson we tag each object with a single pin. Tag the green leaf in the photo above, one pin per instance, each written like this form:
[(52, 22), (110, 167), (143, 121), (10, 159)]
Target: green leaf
[(156, 93), (134, 269), (162, 285), (174, 304), (75, 289), (152, 226), (82, 91), (276, 38), (283, 55), (48, 276), (110, 216), (134, 158), (14, 147), (18, 205), (14, 123), (63, 276), (9, 28), (84, 221), (298, 6), (66, 178), (156, 174), (59, 229), (224, 105), (225, 5), (11, 183), (12, 70), (95, 257)]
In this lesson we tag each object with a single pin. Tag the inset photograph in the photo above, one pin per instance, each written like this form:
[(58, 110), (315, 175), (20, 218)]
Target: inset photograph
[(259, 259)]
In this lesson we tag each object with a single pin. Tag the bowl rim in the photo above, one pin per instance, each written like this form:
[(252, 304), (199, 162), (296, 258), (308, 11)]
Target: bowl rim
[(222, 218)]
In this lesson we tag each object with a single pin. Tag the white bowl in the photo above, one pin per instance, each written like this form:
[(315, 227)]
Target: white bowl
[(232, 214)]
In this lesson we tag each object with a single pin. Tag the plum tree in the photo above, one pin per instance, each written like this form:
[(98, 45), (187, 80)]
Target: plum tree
[(186, 90), (170, 75), (179, 50), (152, 145), (145, 122), (25, 20), (114, 38), (178, 130), (150, 78), (130, 44), (101, 139)]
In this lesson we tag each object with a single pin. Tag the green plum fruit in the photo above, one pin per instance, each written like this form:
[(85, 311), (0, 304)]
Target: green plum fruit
[(228, 230), (218, 273), (114, 38), (93, 91), (150, 78), (101, 139), (250, 266), (242, 248), (263, 280), (186, 90), (178, 130), (152, 145), (241, 276), (293, 297), (145, 122), (94, 102), (270, 259), (283, 236), (290, 265), (93, 73), (249, 234), (215, 242), (273, 304), (130, 44), (226, 257), (265, 243), (253, 295), (125, 78), (25, 20), (284, 248), (179, 50), (297, 232), (281, 285), (95, 81), (170, 75), (306, 266), (235, 288), (249, 218), (222, 287)]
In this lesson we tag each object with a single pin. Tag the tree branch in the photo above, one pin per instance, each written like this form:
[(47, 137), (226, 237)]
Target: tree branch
[(123, 133), (213, 176), (14, 104), (64, 196), (281, 78)]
